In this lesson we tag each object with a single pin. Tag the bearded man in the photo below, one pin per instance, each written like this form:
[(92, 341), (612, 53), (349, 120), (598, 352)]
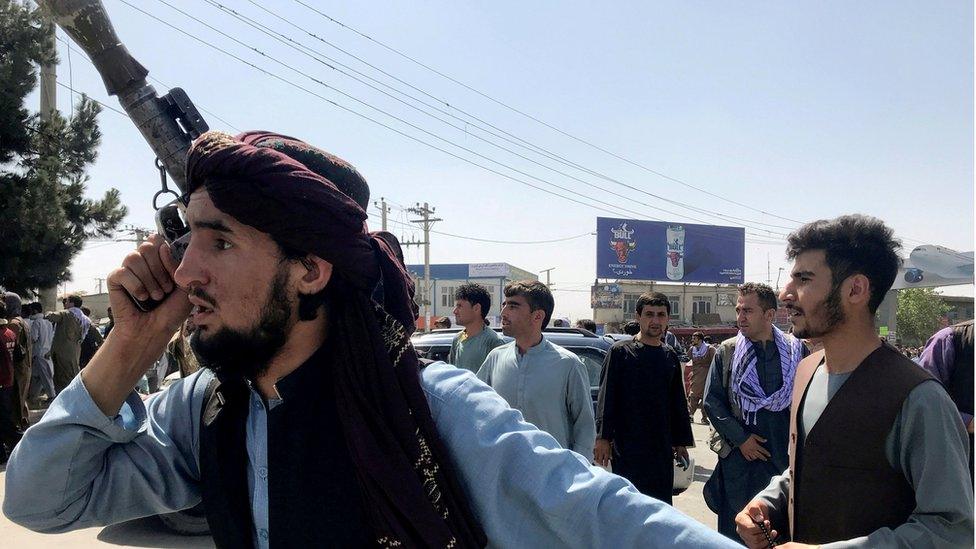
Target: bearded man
[(878, 454), (311, 422), (748, 398)]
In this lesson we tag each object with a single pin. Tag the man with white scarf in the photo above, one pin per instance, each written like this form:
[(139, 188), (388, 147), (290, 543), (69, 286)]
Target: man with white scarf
[(42, 368), (747, 399)]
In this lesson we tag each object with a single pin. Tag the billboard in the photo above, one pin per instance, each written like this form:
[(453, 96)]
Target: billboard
[(678, 252), (606, 296)]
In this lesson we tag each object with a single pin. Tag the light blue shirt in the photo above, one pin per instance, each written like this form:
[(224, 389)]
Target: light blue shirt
[(78, 468), (257, 470), (549, 385)]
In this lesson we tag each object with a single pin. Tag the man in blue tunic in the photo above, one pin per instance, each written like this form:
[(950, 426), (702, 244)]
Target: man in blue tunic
[(311, 423), (747, 399)]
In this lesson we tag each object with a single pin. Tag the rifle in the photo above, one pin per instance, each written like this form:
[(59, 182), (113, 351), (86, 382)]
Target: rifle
[(169, 123)]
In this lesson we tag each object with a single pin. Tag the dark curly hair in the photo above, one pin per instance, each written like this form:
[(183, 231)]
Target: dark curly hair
[(475, 294), (765, 294), (852, 244)]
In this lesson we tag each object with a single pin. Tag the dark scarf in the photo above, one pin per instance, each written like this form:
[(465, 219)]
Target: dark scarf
[(311, 201)]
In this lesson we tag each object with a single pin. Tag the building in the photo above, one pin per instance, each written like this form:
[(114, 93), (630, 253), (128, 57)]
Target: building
[(446, 277), (614, 304), (960, 308)]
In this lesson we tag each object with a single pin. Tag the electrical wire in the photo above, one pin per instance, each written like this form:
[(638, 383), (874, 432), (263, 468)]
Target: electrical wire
[(539, 121), (150, 77), (388, 114), (377, 122), (317, 55), (71, 88), (109, 107)]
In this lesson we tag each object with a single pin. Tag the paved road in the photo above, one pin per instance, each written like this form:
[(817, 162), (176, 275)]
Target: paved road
[(149, 532)]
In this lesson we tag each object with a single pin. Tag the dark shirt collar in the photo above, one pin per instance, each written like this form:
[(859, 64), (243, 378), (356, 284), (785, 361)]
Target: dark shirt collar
[(305, 380)]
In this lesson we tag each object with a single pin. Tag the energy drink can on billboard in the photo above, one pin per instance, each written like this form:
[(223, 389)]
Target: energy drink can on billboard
[(676, 252)]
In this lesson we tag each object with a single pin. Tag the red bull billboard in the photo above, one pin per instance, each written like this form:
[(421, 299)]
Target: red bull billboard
[(665, 251)]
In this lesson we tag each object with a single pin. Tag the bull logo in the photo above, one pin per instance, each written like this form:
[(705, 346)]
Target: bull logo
[(622, 242)]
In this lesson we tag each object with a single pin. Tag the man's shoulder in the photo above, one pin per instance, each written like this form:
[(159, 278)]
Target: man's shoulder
[(730, 342), (441, 381), (562, 355), (499, 351), (623, 343)]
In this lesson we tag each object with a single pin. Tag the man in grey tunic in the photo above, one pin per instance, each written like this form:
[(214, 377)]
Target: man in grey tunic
[(878, 454), (472, 345), (747, 396), (547, 383)]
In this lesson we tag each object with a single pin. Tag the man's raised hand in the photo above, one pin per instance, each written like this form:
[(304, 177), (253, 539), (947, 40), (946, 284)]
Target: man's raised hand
[(147, 273), (138, 338)]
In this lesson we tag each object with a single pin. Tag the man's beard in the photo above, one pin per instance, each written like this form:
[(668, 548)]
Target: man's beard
[(248, 353), (831, 313)]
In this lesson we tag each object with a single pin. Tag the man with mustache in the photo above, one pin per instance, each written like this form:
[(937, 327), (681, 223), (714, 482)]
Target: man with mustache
[(545, 382), (312, 423), (878, 454), (747, 398)]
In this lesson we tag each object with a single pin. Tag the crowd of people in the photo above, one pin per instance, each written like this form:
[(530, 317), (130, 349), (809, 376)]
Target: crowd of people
[(45, 351), (300, 322)]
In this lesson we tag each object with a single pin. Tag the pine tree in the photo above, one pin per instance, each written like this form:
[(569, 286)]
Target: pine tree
[(45, 217)]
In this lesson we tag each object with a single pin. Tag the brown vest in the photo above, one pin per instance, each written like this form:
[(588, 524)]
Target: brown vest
[(842, 485)]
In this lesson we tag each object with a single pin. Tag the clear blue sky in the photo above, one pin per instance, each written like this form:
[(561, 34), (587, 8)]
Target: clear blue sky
[(804, 109)]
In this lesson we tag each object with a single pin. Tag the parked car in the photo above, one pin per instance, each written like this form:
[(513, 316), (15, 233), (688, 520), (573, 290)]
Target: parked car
[(590, 347)]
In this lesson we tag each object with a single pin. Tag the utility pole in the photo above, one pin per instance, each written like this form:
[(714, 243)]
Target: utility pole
[(547, 271), (99, 280), (384, 209), (426, 221), (49, 104)]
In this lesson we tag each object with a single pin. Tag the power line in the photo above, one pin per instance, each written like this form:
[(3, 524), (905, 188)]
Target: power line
[(390, 115), (317, 56), (71, 80), (109, 107), (491, 241), (535, 119), (154, 79), (377, 122), (201, 107)]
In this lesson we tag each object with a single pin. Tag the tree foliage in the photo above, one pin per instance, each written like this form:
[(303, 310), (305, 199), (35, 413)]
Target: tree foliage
[(45, 217), (920, 312)]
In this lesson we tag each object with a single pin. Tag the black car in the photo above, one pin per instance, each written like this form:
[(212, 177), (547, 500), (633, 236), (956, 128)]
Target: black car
[(590, 347)]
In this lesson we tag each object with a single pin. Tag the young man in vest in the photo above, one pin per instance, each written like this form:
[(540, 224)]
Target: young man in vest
[(748, 400), (472, 303), (312, 423), (642, 409), (878, 456)]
